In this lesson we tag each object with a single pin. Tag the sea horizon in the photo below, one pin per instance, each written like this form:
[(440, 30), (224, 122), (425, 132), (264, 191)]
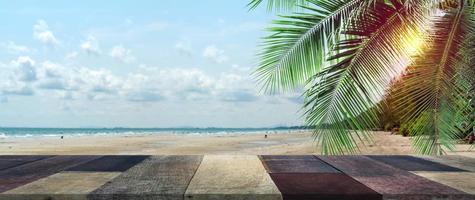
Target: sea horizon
[(91, 131)]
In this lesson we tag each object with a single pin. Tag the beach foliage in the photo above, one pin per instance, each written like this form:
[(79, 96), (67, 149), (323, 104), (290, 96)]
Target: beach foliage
[(357, 60)]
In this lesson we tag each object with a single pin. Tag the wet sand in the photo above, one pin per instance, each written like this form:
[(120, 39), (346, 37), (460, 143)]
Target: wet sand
[(251, 144)]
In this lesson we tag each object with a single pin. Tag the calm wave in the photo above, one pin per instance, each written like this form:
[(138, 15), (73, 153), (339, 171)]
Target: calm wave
[(31, 132)]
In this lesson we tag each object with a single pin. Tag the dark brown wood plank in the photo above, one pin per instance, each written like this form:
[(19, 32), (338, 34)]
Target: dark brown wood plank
[(410, 163), (322, 186), (295, 164), (109, 164), (9, 161), (23, 174), (392, 183), (158, 177)]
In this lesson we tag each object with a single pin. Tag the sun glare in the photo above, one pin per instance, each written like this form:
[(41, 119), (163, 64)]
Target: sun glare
[(414, 43)]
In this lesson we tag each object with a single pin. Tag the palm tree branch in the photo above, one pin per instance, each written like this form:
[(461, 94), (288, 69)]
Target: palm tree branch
[(432, 98), (289, 58), (333, 104)]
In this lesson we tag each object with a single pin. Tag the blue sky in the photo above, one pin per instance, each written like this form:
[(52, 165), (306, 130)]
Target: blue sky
[(131, 63)]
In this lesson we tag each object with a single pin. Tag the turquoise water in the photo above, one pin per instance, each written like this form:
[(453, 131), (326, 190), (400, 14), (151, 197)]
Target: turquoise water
[(56, 132)]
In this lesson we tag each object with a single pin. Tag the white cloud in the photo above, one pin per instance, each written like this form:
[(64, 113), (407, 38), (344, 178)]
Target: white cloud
[(144, 96), (240, 69), (52, 76), (213, 53), (178, 84), (148, 84), (72, 55), (99, 81), (13, 87), (65, 95), (122, 54), (238, 96), (12, 47), (234, 87), (25, 67), (184, 48), (91, 46), (42, 33)]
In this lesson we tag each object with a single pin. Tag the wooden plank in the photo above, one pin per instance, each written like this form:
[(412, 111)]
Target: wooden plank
[(8, 161), (410, 163), (23, 174), (307, 177), (322, 186), (64, 185), (462, 162), (391, 182), (232, 177), (158, 177), (295, 164), (109, 164), (463, 181)]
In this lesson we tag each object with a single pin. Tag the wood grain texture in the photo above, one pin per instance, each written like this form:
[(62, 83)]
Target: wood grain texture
[(232, 177), (410, 163), (322, 186), (63, 185), (158, 177), (13, 161), (23, 174), (462, 162), (109, 164), (391, 182), (464, 181), (296, 164)]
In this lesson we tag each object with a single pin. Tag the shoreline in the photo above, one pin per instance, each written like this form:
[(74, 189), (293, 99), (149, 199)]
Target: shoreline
[(185, 144), (156, 133)]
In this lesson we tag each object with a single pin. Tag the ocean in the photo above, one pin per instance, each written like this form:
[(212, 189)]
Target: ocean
[(57, 132)]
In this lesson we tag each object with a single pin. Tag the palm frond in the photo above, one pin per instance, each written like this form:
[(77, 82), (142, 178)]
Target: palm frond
[(297, 44), (377, 46), (435, 90), (277, 5)]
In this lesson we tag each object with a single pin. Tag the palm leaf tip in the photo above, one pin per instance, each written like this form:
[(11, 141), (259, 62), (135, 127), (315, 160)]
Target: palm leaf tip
[(277, 5)]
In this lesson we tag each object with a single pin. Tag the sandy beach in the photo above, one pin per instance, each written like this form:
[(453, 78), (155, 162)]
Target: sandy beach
[(252, 144)]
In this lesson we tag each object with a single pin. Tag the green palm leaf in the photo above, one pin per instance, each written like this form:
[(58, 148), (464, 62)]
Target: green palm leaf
[(369, 44), (297, 44), (277, 5), (342, 96), (436, 84)]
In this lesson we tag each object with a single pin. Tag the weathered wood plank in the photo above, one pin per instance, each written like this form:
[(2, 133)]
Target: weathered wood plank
[(464, 181), (109, 164), (23, 174), (295, 164), (63, 185), (7, 161), (410, 163), (232, 177), (158, 177), (307, 177), (322, 186), (462, 162), (391, 182)]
